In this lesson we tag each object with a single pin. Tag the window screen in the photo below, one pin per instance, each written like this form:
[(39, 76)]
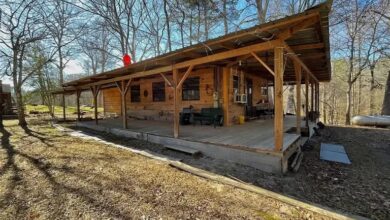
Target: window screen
[(190, 89)]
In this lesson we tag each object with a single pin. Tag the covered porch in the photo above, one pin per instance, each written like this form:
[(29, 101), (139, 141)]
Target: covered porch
[(256, 135), (288, 52), (250, 144)]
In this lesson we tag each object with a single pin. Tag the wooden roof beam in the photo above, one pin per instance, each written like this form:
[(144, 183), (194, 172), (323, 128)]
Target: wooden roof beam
[(238, 59), (308, 46), (230, 54), (263, 63), (135, 75), (295, 57), (202, 60), (227, 45), (289, 32)]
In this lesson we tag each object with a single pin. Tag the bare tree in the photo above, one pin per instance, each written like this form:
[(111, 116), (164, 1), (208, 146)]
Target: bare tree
[(95, 45), (167, 23), (45, 79), (357, 45), (20, 27), (155, 25), (124, 19), (62, 27), (262, 8)]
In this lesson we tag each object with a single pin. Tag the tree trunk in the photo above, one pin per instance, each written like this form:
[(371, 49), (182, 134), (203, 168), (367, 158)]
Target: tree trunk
[(190, 27), (262, 8), (349, 103), (225, 21), (20, 106), (386, 99), (168, 25), (324, 107), (372, 88), (206, 24), (359, 96), (61, 73)]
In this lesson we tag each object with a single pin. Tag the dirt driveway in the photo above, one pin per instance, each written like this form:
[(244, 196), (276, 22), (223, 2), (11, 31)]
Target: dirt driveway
[(46, 174)]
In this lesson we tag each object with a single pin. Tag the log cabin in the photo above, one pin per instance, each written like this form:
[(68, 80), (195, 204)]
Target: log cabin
[(229, 80)]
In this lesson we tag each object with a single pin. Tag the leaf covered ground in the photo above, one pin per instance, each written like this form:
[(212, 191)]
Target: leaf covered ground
[(47, 174)]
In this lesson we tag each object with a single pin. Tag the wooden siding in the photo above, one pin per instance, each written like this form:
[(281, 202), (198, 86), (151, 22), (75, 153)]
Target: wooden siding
[(148, 109), (236, 109), (112, 101)]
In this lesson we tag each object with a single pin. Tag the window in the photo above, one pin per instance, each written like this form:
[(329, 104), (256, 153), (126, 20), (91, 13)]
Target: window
[(264, 90), (158, 91), (190, 89), (235, 84), (135, 93)]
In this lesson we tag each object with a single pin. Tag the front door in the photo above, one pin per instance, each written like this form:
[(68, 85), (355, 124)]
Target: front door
[(249, 93)]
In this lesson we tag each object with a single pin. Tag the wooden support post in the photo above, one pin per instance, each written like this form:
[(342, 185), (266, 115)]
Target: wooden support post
[(263, 63), (63, 107), (317, 100), (78, 93), (298, 75), (96, 108), (95, 92), (175, 104), (176, 100), (123, 102), (307, 99), (123, 89), (186, 74), (278, 84), (166, 80), (226, 71), (318, 97), (312, 98)]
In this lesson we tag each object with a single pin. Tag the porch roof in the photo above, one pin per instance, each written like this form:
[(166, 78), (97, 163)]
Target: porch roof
[(305, 37)]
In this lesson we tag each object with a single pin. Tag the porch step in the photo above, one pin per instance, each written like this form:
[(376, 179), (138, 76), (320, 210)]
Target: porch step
[(186, 150)]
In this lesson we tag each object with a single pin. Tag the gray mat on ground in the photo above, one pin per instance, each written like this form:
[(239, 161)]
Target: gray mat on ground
[(334, 152)]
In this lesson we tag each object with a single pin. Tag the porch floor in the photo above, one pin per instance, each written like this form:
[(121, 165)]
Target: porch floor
[(254, 135)]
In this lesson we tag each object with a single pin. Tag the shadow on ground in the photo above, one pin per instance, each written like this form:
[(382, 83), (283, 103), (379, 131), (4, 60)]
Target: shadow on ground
[(362, 188), (48, 174), (17, 171)]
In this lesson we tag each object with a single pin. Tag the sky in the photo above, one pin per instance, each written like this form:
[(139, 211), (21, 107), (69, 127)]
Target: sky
[(74, 66)]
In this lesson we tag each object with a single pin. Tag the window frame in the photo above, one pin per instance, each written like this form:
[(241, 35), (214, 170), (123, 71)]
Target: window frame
[(160, 91), (132, 95), (195, 89)]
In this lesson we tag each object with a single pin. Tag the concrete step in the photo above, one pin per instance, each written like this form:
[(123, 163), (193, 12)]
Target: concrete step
[(186, 150)]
